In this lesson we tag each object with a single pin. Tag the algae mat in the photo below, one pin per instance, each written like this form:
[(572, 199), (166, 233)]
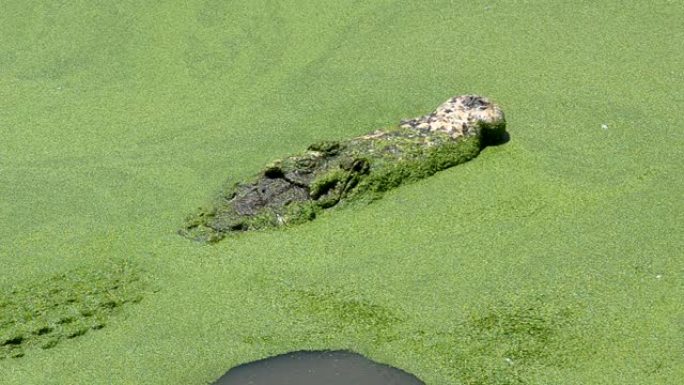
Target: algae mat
[(555, 258)]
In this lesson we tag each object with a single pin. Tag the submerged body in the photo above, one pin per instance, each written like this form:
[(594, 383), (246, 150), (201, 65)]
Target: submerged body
[(294, 189)]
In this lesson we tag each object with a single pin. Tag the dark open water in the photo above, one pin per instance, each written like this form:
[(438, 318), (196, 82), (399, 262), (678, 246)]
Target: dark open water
[(339, 367)]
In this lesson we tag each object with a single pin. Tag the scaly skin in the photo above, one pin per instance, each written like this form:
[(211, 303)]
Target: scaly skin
[(294, 189)]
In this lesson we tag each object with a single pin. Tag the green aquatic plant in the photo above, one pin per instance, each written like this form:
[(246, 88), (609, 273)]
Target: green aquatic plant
[(504, 343)]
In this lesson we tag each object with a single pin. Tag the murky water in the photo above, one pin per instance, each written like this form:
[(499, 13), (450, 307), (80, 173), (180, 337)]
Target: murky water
[(339, 367)]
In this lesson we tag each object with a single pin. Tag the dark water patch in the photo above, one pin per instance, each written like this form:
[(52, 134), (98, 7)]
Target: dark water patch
[(12, 340), (65, 306), (341, 367)]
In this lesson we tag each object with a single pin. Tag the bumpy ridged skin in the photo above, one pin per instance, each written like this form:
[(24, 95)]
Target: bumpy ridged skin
[(294, 189)]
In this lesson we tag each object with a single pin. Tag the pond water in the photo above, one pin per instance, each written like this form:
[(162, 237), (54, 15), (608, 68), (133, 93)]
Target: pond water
[(325, 367)]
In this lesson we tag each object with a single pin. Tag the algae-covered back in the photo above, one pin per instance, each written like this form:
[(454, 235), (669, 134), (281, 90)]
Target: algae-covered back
[(61, 307), (296, 188)]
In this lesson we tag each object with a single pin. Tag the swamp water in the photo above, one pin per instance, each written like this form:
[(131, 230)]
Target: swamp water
[(340, 367)]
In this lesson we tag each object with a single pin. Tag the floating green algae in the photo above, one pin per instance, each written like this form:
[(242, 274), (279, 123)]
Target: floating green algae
[(506, 343)]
